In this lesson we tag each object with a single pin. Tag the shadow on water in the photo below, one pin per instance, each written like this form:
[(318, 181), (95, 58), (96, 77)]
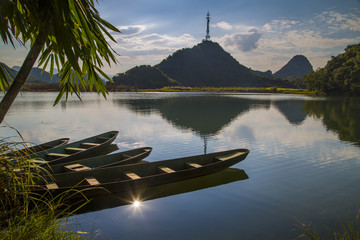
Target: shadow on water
[(208, 115), (292, 110), (340, 115), (203, 115), (114, 200)]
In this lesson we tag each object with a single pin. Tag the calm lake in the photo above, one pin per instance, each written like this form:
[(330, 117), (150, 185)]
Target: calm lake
[(303, 165)]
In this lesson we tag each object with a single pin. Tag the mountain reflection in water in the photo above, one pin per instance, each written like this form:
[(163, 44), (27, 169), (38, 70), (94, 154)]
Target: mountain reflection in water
[(207, 115)]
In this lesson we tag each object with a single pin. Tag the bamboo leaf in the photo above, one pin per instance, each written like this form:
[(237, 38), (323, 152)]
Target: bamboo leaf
[(52, 67)]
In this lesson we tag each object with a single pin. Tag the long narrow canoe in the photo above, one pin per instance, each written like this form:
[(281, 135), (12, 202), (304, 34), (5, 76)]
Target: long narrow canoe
[(76, 150), (135, 177), (40, 147), (225, 176), (86, 164)]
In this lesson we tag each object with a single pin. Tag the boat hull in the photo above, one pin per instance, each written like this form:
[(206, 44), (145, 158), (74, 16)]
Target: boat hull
[(76, 150), (119, 179), (40, 147), (86, 164)]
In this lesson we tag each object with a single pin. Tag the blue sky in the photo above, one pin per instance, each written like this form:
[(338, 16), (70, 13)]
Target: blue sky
[(260, 34)]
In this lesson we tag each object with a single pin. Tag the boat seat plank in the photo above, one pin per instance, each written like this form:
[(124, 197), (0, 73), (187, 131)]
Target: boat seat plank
[(92, 181), (194, 165), (227, 157), (76, 167), (75, 149), (90, 144), (58, 155), (51, 186), (132, 175), (166, 169)]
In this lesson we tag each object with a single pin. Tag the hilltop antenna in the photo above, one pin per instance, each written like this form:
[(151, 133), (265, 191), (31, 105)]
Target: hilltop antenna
[(207, 37)]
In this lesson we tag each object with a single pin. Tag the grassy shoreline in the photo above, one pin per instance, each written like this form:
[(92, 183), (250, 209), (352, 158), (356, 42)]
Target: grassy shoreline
[(24, 215), (234, 90), (112, 88)]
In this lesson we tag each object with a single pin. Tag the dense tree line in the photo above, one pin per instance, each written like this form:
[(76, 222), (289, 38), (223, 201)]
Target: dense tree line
[(340, 76)]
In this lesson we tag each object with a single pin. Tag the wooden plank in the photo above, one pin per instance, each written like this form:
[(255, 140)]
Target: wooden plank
[(166, 169), (75, 149), (58, 155), (51, 186), (132, 175), (227, 157), (92, 181), (76, 167), (194, 165), (90, 144)]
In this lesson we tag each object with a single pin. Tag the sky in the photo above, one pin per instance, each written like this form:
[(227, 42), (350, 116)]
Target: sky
[(260, 34)]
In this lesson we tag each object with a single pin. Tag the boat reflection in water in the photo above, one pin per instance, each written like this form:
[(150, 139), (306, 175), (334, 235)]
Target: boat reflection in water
[(136, 198)]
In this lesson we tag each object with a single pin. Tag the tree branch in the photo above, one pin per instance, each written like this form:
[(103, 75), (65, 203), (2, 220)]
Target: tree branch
[(25, 69)]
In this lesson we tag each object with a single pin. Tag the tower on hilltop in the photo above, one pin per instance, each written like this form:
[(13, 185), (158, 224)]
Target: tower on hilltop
[(207, 37)]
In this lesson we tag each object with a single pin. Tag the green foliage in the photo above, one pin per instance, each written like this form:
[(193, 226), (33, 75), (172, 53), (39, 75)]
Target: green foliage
[(341, 75), (76, 41), (24, 215)]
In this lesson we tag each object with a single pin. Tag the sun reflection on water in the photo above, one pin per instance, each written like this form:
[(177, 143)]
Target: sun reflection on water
[(136, 204)]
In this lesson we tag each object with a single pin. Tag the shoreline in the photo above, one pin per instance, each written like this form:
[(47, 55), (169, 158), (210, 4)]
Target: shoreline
[(55, 88)]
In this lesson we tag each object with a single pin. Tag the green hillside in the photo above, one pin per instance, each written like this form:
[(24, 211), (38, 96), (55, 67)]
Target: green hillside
[(340, 76), (208, 65), (144, 77), (298, 66)]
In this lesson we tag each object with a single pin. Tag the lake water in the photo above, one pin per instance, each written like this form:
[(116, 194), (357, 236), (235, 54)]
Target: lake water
[(303, 165)]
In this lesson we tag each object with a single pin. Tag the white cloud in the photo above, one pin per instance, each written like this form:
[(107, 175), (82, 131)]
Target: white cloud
[(131, 30), (223, 25), (318, 38), (145, 49), (338, 21), (244, 41), (269, 46)]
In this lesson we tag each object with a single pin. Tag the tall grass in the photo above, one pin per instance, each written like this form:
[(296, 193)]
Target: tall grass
[(343, 231), (24, 215)]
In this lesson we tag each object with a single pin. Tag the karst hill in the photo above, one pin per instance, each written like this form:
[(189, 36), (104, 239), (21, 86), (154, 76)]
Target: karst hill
[(204, 65)]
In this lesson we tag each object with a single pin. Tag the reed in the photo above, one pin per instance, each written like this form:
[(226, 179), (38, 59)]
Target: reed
[(343, 231), (24, 215)]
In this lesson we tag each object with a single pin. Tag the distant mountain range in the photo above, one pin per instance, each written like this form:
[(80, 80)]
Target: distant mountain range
[(35, 75), (206, 64)]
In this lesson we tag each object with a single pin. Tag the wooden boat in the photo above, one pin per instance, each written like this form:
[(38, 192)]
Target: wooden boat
[(76, 150), (40, 147), (101, 202), (135, 177), (85, 164)]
